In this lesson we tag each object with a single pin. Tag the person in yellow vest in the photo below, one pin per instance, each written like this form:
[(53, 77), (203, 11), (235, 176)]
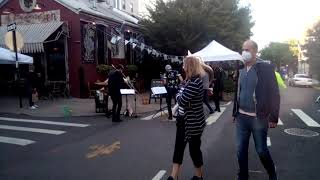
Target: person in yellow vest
[(280, 81)]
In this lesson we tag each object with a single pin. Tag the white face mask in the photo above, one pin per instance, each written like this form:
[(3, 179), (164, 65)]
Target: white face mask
[(247, 56)]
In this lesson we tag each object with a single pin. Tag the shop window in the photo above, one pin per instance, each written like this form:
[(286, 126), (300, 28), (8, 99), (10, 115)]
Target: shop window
[(101, 44), (56, 61)]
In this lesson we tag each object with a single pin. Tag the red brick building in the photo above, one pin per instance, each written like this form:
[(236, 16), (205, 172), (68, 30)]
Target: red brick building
[(69, 38)]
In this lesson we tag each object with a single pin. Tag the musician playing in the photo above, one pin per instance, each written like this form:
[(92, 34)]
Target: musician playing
[(115, 82), (171, 81)]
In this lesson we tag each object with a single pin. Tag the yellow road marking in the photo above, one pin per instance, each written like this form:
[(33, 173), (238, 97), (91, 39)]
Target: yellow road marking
[(101, 150)]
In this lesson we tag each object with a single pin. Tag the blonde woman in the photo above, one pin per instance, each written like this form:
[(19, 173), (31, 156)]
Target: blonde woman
[(190, 119)]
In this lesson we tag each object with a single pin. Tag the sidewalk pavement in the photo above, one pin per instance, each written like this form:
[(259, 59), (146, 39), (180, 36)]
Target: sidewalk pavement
[(78, 107)]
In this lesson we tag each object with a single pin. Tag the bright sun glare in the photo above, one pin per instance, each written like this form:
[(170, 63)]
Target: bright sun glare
[(280, 20)]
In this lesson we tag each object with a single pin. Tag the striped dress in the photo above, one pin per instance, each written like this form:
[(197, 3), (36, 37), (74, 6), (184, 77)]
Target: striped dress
[(190, 102)]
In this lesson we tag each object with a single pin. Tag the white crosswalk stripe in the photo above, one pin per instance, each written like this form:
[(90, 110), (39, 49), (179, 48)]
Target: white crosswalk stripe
[(215, 116), (305, 118), (268, 141), (159, 175), (35, 130), (25, 130), (43, 122), (152, 116), (16, 141)]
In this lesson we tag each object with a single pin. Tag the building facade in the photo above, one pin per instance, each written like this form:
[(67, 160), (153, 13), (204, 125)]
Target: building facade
[(69, 38)]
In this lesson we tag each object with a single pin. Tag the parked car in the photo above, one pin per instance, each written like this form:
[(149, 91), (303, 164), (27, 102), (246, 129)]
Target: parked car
[(301, 80)]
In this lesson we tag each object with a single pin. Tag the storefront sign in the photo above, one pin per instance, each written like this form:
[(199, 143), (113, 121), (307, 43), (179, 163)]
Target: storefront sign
[(31, 18)]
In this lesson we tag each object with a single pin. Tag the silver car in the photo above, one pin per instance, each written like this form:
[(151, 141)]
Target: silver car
[(301, 80)]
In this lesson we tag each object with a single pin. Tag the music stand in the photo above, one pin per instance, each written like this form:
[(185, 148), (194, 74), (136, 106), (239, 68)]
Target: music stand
[(129, 92), (159, 91)]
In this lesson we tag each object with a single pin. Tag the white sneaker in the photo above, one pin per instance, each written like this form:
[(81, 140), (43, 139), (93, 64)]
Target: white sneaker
[(36, 106), (32, 107)]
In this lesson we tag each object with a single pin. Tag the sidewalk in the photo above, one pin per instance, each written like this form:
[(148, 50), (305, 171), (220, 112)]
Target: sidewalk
[(78, 107)]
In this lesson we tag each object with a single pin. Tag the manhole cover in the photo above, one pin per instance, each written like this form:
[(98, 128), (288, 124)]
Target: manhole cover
[(301, 132)]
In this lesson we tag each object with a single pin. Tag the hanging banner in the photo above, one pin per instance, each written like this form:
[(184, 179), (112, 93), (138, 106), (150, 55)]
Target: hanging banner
[(134, 45), (142, 46)]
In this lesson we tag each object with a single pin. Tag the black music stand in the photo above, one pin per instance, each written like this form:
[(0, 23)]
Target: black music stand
[(129, 92), (159, 91)]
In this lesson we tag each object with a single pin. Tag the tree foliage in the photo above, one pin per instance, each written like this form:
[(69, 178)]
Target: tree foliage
[(312, 48), (279, 53), (176, 26)]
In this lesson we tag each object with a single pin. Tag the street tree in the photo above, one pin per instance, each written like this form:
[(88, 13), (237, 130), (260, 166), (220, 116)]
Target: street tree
[(312, 49), (176, 26), (279, 53)]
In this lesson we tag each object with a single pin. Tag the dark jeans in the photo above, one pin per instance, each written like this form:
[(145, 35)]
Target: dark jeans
[(180, 145), (206, 99), (259, 129), (171, 93), (116, 106)]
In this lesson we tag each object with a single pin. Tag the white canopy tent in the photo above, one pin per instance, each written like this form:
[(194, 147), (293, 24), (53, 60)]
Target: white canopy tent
[(9, 57), (216, 52)]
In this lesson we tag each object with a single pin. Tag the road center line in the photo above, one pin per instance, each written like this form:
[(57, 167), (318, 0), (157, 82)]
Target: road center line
[(36, 130), (268, 141), (159, 175), (305, 118), (43, 122), (280, 122), (16, 141)]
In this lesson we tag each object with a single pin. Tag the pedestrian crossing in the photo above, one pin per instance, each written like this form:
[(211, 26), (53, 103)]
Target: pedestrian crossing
[(211, 119), (25, 128)]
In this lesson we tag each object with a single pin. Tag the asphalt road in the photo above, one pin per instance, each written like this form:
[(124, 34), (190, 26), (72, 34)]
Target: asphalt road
[(97, 149)]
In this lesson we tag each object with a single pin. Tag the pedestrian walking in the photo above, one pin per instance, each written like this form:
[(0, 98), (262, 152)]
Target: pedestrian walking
[(171, 82), (190, 120), (32, 88), (256, 109), (207, 79), (218, 86)]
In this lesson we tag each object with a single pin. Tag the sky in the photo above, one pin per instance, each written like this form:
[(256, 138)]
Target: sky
[(281, 20)]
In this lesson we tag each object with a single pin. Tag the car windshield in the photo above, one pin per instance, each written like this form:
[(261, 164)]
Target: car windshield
[(302, 76)]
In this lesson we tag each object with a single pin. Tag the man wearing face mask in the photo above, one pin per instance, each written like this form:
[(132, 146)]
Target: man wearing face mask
[(256, 109)]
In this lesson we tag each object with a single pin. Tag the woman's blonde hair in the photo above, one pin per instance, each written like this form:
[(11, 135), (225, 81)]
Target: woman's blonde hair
[(192, 67)]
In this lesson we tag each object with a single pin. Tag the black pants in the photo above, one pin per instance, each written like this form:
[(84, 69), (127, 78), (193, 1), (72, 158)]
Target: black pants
[(194, 147), (216, 99), (171, 93), (206, 100), (116, 106)]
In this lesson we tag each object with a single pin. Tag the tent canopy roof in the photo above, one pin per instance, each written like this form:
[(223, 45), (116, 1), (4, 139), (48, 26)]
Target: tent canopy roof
[(217, 52), (9, 57)]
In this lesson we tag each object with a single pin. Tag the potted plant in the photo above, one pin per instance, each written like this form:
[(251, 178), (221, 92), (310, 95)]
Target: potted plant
[(132, 70), (103, 69)]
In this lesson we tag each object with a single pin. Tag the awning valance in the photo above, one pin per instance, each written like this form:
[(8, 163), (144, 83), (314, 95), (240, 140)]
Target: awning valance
[(34, 35)]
